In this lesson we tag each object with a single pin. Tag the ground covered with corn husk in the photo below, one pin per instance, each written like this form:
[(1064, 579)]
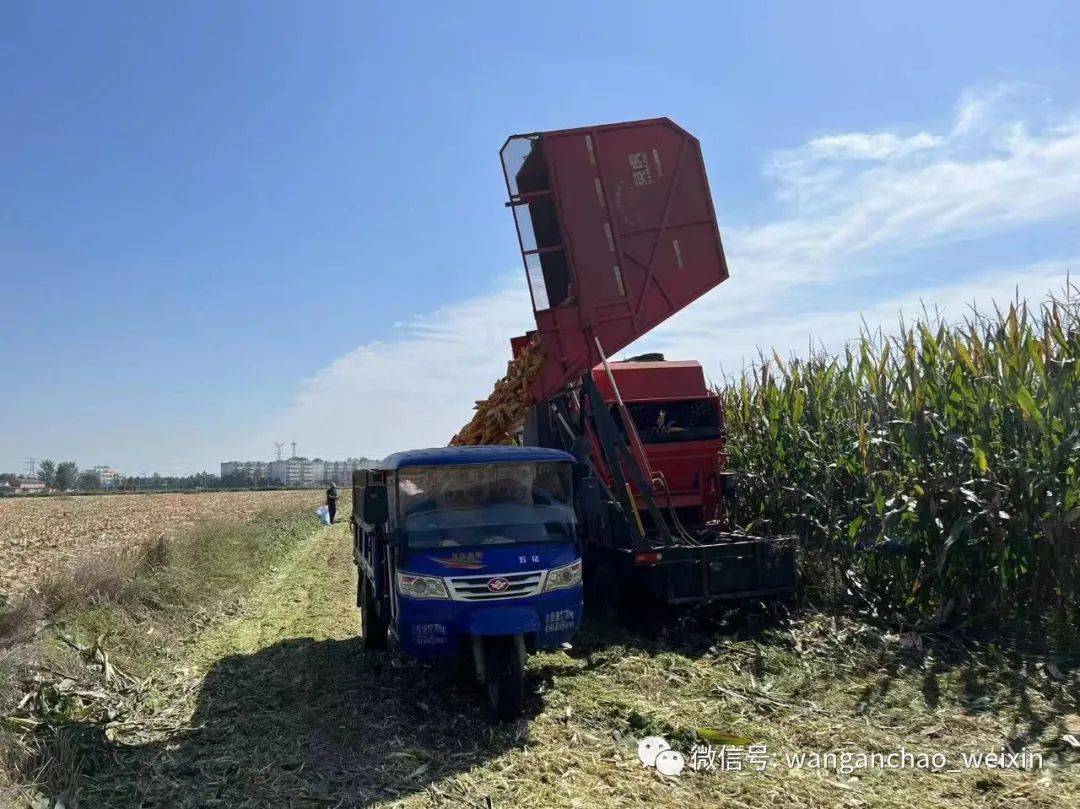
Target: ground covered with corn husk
[(274, 703), (41, 536)]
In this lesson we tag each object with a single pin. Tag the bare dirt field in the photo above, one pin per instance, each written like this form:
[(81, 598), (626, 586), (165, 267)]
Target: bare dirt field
[(41, 536)]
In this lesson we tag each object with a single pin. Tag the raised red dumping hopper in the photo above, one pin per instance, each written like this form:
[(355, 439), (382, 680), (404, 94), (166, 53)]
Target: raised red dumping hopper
[(618, 233)]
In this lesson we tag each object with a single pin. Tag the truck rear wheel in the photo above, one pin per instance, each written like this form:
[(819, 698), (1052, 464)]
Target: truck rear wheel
[(504, 672), (373, 627)]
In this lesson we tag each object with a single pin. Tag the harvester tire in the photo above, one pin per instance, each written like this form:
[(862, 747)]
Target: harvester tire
[(372, 625), (604, 597)]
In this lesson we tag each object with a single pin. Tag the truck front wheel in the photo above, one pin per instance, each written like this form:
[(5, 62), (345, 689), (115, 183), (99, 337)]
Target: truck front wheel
[(504, 673), (372, 625)]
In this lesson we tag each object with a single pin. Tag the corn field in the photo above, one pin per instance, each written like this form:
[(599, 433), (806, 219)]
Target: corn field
[(934, 473)]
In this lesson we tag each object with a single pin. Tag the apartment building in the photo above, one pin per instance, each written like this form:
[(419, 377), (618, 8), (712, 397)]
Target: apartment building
[(107, 475), (297, 471), (250, 470)]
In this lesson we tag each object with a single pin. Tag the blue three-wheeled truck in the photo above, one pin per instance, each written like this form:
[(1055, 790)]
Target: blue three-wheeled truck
[(470, 549)]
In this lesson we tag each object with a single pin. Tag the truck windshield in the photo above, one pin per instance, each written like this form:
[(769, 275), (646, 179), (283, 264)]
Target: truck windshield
[(486, 504), (668, 422)]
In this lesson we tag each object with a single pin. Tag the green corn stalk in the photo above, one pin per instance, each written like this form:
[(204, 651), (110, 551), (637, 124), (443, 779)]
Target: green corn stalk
[(929, 473)]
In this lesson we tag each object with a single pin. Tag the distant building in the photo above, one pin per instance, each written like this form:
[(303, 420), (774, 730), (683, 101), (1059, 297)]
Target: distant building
[(107, 475), (29, 486), (250, 470), (340, 472), (297, 471)]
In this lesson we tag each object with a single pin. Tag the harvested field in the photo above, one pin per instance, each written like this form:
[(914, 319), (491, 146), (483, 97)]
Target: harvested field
[(43, 536), (277, 705)]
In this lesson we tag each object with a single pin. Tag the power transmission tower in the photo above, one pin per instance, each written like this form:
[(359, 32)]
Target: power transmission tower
[(278, 447), (31, 467)]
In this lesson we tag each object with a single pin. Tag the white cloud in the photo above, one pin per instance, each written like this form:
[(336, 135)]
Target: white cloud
[(869, 145), (727, 345), (980, 106), (989, 173), (992, 169), (415, 388), (857, 200)]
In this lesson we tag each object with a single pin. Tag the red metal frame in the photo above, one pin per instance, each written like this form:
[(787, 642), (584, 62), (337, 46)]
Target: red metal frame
[(637, 229), (690, 469)]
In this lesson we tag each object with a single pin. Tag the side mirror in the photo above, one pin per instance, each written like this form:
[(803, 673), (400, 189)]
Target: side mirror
[(375, 509)]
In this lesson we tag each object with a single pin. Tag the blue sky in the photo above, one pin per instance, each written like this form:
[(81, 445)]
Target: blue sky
[(223, 224)]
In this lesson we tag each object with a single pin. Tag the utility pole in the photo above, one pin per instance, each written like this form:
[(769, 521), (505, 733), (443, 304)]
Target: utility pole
[(279, 446)]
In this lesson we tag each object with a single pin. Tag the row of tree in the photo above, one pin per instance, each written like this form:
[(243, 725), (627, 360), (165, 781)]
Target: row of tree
[(200, 480), (65, 476)]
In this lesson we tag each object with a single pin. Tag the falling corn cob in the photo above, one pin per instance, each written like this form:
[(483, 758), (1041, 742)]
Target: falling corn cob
[(499, 417)]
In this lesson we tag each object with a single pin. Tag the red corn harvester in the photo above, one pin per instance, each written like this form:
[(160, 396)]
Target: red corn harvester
[(618, 233)]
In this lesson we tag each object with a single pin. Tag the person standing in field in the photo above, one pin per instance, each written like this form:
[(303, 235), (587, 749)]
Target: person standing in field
[(331, 501)]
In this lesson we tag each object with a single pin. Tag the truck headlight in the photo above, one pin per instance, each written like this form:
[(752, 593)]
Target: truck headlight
[(560, 578), (421, 586)]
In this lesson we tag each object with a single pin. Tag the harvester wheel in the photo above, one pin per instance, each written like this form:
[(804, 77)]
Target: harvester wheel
[(604, 594), (372, 626)]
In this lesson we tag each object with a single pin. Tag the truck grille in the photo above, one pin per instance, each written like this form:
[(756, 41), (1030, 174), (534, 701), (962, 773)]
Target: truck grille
[(475, 588)]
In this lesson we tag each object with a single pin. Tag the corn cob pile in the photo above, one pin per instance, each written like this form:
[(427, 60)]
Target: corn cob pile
[(501, 415)]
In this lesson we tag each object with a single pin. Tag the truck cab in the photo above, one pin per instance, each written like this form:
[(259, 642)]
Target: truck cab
[(470, 549), (680, 423)]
